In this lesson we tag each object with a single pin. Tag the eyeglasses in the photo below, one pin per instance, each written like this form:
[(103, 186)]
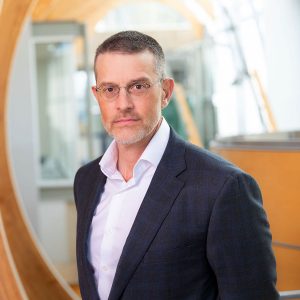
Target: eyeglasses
[(110, 92)]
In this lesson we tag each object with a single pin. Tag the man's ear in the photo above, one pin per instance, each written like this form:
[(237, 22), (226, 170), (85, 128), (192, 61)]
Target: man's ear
[(94, 91), (167, 86)]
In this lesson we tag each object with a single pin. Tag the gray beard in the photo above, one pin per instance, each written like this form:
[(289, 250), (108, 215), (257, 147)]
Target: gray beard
[(140, 135)]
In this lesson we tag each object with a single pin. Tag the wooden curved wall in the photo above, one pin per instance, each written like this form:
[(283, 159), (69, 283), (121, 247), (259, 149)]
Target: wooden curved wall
[(277, 172), (10, 284), (39, 281)]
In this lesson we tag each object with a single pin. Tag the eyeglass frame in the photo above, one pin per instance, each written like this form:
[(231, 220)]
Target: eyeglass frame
[(98, 89)]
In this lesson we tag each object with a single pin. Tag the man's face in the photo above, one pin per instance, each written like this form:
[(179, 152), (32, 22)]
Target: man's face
[(135, 112)]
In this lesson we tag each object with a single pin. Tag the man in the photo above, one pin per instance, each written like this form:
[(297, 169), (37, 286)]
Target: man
[(160, 218)]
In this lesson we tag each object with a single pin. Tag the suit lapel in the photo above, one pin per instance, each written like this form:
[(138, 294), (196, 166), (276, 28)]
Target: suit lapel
[(93, 193), (92, 202), (156, 205)]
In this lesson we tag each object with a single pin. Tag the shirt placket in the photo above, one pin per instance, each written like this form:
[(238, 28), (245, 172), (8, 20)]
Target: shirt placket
[(110, 247)]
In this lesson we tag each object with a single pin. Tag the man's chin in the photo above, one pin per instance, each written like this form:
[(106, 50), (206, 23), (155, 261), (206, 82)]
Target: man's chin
[(130, 135), (130, 139)]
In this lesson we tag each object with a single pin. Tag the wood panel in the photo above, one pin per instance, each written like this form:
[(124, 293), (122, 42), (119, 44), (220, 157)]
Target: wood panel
[(37, 276), (10, 283), (277, 173), (288, 266), (42, 9)]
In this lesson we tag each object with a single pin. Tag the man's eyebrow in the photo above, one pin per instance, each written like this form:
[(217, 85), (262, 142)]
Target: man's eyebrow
[(132, 81), (106, 83), (138, 80)]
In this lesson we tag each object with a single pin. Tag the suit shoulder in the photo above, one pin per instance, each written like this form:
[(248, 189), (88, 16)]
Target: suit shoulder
[(213, 169), (201, 159), (87, 170)]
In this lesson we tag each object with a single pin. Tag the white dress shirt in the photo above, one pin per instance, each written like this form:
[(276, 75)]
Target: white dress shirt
[(120, 202)]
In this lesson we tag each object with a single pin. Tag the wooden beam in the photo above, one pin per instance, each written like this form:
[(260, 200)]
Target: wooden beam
[(187, 116), (82, 13), (208, 7), (10, 283), (188, 14), (42, 9), (37, 276), (57, 10)]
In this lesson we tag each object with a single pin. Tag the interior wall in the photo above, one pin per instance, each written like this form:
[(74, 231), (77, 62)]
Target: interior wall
[(283, 61), (21, 116)]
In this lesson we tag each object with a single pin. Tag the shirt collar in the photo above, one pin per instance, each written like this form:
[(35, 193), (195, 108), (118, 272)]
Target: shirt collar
[(156, 147), (152, 154)]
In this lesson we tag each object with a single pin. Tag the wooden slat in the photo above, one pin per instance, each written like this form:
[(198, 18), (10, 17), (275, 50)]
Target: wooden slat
[(37, 276), (83, 13), (187, 116), (43, 8), (288, 266), (61, 10), (10, 283)]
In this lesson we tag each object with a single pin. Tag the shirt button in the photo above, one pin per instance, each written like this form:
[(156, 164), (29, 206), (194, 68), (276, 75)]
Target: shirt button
[(104, 268), (110, 231)]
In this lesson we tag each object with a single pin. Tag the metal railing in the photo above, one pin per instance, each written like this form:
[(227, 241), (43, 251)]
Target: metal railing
[(290, 295)]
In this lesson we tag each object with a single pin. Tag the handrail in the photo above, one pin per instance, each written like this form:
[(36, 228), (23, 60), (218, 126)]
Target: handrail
[(286, 245), (290, 294)]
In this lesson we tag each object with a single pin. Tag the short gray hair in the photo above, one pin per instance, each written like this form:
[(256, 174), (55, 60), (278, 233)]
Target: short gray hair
[(133, 42)]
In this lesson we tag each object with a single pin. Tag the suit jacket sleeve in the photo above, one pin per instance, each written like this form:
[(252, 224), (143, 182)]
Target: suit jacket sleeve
[(239, 242)]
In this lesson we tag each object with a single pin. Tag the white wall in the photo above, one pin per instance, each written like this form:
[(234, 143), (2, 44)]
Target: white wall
[(21, 138), (282, 23)]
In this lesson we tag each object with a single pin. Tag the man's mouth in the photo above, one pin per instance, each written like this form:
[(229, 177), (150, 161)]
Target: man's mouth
[(126, 121)]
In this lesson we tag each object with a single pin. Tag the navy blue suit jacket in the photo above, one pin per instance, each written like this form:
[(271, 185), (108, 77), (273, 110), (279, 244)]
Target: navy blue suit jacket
[(200, 233)]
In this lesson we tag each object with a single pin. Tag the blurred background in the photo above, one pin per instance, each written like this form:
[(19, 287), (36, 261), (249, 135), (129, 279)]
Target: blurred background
[(237, 68)]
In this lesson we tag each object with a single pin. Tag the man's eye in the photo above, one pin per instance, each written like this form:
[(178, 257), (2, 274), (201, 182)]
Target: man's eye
[(140, 86), (109, 89)]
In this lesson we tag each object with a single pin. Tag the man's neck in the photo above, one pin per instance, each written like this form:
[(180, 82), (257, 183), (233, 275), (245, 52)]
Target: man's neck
[(128, 155)]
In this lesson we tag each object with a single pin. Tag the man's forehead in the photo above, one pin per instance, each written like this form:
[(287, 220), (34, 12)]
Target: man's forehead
[(112, 65), (113, 54)]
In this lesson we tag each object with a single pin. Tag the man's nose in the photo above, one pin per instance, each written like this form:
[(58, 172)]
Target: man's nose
[(124, 101)]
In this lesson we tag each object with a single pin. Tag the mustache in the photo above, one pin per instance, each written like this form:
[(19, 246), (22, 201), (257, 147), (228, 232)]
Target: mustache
[(122, 116)]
